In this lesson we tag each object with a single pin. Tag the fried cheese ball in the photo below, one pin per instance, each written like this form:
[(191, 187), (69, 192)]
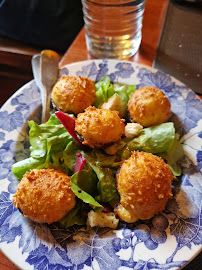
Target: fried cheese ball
[(73, 94), (44, 195), (149, 106), (99, 126), (144, 185)]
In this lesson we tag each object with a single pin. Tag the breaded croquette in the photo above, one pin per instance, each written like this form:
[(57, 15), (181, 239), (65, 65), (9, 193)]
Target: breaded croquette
[(149, 106), (44, 195), (73, 94), (99, 127), (144, 185)]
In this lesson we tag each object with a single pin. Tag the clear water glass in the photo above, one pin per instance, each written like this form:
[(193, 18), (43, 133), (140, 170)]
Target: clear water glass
[(113, 27)]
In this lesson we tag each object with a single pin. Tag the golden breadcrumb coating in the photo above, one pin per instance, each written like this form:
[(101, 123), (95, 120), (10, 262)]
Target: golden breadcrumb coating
[(99, 126), (144, 184), (73, 94), (149, 106), (125, 215), (44, 195)]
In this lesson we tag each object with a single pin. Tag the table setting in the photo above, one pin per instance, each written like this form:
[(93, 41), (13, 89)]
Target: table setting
[(170, 239)]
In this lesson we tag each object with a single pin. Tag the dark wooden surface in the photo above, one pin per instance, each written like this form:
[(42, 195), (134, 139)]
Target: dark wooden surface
[(15, 66)]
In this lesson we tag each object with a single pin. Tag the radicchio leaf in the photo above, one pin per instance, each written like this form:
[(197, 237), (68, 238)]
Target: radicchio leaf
[(69, 124)]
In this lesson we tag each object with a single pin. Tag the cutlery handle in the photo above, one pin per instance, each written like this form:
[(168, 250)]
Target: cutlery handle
[(46, 103)]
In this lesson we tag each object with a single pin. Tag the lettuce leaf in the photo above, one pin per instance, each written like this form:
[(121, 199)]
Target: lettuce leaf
[(106, 178), (104, 160), (81, 194), (124, 91), (46, 141), (159, 140), (106, 184), (174, 157), (87, 181), (21, 167), (105, 89), (69, 155), (156, 139), (73, 217)]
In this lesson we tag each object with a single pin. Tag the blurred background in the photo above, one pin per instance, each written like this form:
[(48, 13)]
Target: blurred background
[(27, 27)]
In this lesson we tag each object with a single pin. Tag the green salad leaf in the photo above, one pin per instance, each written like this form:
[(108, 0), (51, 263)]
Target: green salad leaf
[(174, 157), (87, 180), (69, 155), (46, 141), (73, 217), (106, 178), (155, 139), (159, 140), (106, 185), (105, 89), (83, 195), (124, 91), (22, 166), (109, 161)]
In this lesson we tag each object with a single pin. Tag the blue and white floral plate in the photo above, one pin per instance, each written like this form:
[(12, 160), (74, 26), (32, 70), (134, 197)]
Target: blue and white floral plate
[(168, 241)]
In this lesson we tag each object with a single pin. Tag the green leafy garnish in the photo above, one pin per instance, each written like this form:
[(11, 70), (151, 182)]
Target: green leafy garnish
[(174, 157), (105, 89), (46, 141), (82, 195), (106, 178), (155, 139), (73, 217)]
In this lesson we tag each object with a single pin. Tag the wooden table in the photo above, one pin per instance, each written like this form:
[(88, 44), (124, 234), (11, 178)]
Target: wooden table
[(155, 11)]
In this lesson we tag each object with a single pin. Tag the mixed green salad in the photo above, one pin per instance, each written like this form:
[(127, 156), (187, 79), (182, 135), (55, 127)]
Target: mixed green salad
[(51, 146)]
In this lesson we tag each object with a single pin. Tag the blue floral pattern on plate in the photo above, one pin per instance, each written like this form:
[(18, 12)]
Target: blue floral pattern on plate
[(168, 240)]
